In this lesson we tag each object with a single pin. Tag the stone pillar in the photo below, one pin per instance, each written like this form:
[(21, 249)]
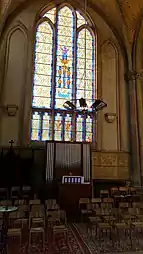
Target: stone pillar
[(131, 77), (139, 89)]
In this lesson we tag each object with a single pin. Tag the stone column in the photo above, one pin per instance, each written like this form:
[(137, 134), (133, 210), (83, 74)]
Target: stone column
[(139, 90), (131, 77)]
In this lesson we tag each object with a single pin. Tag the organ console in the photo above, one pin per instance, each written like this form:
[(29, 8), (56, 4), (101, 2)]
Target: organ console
[(72, 179), (71, 190)]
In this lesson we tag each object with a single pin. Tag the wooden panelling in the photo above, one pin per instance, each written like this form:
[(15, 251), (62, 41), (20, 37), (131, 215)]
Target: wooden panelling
[(22, 166), (110, 165)]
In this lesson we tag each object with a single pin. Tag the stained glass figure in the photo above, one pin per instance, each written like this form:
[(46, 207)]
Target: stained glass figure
[(89, 128), (64, 69), (65, 43), (35, 130), (58, 127), (68, 128), (47, 127), (79, 128)]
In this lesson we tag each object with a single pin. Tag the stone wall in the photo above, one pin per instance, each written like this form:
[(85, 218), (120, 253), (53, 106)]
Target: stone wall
[(16, 70)]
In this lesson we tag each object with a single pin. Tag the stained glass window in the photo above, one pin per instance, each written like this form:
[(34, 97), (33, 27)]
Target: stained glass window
[(51, 15), (35, 130), (64, 69), (80, 128), (89, 128), (68, 128), (43, 66), (85, 66), (64, 53), (80, 19), (47, 127), (58, 127)]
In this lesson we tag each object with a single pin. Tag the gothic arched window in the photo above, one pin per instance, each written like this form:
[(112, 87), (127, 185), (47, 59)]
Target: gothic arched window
[(64, 69)]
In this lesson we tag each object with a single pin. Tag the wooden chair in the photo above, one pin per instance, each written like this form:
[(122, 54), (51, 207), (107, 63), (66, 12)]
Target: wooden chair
[(6, 203), (37, 211), (26, 192), (13, 230), (104, 194), (34, 202), (61, 228), (24, 208), (104, 227), (124, 228), (20, 202), (87, 211), (18, 218), (132, 190), (137, 204), (114, 191), (36, 225), (15, 192), (51, 204), (52, 218), (39, 207), (83, 202), (107, 203), (3, 193), (115, 213), (96, 202), (123, 191), (124, 205)]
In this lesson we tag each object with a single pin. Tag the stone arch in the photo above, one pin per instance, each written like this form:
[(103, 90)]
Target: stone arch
[(15, 75)]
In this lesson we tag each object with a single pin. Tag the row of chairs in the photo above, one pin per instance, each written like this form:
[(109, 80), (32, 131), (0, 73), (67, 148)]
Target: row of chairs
[(105, 202), (84, 202), (16, 192), (113, 220), (50, 204), (117, 191), (87, 206), (38, 218)]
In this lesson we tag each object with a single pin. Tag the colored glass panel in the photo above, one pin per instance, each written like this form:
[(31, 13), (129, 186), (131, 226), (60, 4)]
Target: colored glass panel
[(85, 67), (64, 55), (89, 127), (35, 130), (79, 128), (46, 127), (68, 128), (51, 15), (80, 19), (41, 79), (58, 127), (43, 66)]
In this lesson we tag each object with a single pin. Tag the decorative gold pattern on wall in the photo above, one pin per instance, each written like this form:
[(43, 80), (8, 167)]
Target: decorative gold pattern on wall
[(110, 165)]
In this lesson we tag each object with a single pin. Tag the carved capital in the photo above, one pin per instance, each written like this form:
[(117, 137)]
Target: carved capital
[(134, 75)]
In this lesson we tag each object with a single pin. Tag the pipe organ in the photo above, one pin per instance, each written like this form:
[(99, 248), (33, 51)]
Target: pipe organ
[(65, 157)]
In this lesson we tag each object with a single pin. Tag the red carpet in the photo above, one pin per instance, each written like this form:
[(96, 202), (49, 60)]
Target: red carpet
[(75, 244)]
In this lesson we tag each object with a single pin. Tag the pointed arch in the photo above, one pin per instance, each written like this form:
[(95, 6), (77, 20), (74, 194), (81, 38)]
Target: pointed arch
[(56, 76)]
